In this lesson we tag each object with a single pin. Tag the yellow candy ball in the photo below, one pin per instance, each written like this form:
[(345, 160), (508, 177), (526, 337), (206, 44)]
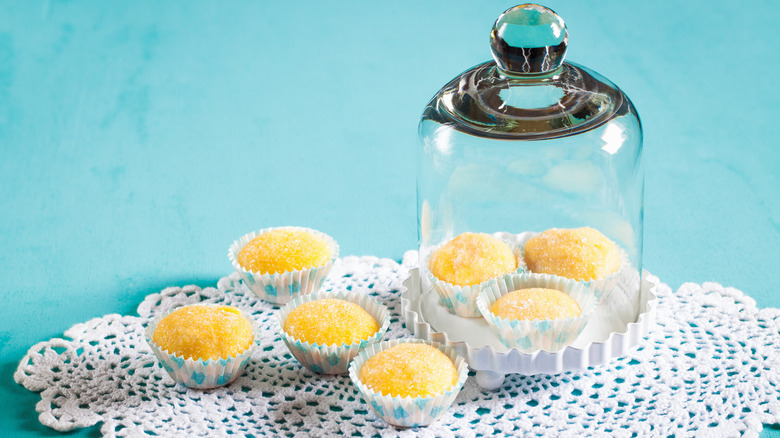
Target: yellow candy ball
[(578, 254), (204, 332), (409, 370), (471, 258), (330, 321), (284, 250), (536, 303)]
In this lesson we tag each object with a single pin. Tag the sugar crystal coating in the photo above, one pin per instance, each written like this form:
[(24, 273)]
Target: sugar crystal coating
[(283, 250), (204, 332), (471, 258), (409, 370), (536, 303), (578, 254), (330, 321)]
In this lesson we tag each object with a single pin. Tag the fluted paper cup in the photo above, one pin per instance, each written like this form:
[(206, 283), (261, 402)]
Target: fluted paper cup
[(332, 359), (461, 300), (408, 411), (546, 334), (281, 288), (199, 373)]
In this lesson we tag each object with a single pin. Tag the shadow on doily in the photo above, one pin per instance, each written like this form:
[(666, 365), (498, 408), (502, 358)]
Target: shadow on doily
[(133, 298), (294, 399)]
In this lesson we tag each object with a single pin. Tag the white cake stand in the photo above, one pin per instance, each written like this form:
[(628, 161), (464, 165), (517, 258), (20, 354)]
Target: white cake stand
[(613, 330)]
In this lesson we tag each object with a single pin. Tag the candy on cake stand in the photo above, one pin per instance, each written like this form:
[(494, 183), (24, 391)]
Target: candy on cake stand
[(599, 342), (616, 327)]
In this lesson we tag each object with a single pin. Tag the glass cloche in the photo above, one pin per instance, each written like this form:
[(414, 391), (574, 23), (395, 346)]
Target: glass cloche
[(527, 143)]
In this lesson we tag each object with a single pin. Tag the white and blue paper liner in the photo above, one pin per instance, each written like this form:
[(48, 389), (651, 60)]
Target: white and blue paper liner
[(532, 335), (281, 288), (461, 300), (601, 287), (199, 373), (332, 359), (408, 411)]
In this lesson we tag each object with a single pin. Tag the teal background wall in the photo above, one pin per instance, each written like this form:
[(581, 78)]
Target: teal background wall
[(138, 139)]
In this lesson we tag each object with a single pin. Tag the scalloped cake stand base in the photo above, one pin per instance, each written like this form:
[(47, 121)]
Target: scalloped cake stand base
[(614, 330)]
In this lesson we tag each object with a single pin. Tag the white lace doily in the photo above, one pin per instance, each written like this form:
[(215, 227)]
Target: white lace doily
[(710, 368)]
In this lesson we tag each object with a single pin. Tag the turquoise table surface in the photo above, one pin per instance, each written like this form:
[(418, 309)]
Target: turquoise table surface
[(138, 139)]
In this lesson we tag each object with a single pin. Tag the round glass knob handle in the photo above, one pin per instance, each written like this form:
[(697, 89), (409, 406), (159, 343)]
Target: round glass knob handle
[(529, 39)]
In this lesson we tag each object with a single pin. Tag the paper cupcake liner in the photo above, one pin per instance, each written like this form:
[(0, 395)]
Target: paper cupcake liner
[(199, 373), (408, 411), (281, 288), (332, 359), (531, 335), (462, 300), (601, 287)]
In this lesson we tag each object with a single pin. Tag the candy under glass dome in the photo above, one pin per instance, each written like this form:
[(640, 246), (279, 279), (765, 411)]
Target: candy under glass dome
[(528, 142)]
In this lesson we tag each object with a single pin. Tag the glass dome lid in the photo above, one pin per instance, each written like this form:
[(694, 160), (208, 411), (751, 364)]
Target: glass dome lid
[(528, 92), (527, 147)]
